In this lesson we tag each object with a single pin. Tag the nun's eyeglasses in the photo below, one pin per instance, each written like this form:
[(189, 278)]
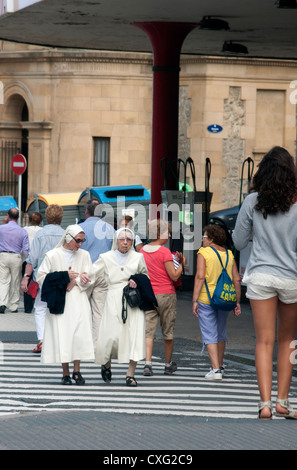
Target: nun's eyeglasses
[(78, 240)]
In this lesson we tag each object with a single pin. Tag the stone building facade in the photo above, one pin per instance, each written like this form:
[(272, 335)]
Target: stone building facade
[(58, 104), (251, 99)]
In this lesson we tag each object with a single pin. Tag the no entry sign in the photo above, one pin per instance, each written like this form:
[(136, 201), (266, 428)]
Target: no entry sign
[(19, 164)]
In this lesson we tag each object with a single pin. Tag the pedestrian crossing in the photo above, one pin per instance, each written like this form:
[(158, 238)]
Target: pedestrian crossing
[(26, 385)]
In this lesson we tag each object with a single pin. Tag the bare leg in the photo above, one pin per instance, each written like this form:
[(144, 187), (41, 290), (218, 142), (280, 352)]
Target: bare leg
[(149, 343), (287, 325), (221, 351), (168, 348), (213, 352), (131, 373), (264, 313), (65, 367), (76, 366), (131, 369)]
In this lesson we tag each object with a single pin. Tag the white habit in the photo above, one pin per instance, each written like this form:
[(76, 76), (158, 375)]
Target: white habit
[(68, 336), (118, 340)]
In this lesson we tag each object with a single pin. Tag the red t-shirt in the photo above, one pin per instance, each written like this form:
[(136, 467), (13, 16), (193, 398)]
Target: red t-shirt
[(161, 282)]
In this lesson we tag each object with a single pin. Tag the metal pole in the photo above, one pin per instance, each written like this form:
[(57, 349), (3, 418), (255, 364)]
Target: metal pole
[(20, 198)]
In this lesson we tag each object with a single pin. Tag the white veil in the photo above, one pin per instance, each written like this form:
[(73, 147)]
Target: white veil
[(71, 231), (117, 234)]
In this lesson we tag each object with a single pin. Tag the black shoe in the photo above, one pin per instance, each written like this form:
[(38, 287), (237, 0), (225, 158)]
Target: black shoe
[(66, 380), (170, 369), (106, 374), (2, 309), (78, 378), (14, 311)]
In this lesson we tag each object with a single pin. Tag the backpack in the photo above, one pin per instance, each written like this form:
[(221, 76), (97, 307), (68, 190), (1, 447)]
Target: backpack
[(224, 296)]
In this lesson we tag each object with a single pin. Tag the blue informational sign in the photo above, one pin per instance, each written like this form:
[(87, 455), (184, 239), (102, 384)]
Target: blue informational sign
[(214, 128)]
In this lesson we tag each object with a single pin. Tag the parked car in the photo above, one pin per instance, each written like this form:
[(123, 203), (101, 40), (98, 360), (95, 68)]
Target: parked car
[(226, 217)]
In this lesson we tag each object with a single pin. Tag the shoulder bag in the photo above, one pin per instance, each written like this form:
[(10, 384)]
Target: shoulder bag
[(132, 297)]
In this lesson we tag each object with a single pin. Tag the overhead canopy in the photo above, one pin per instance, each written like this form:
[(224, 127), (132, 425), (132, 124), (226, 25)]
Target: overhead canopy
[(264, 28)]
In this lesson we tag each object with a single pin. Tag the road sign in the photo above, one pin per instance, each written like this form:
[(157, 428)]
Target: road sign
[(214, 128), (19, 164)]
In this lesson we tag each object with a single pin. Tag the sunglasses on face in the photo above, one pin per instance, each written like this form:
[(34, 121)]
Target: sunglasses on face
[(78, 240)]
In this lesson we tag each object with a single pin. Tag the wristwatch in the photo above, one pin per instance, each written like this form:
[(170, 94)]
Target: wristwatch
[(26, 275)]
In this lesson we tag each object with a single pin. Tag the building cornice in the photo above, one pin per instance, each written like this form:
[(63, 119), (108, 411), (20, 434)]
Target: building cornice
[(43, 125), (82, 55), (70, 55), (231, 60)]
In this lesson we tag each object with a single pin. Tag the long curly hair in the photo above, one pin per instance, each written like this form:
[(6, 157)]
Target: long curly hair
[(276, 182)]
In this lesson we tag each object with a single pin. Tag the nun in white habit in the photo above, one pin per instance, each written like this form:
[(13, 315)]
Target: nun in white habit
[(68, 336), (124, 341)]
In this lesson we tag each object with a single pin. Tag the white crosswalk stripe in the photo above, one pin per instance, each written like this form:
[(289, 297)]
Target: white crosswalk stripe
[(26, 385)]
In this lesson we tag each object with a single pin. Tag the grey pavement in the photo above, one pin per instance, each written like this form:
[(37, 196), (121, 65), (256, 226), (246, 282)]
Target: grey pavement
[(119, 434)]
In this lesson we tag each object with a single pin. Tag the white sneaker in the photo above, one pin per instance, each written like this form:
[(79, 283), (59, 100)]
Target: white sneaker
[(222, 369), (214, 374)]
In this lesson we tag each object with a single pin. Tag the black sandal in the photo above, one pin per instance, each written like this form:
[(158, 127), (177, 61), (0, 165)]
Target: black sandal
[(131, 381), (78, 378), (66, 380), (106, 374)]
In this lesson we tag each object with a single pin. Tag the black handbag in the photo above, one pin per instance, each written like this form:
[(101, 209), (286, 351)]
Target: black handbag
[(132, 297)]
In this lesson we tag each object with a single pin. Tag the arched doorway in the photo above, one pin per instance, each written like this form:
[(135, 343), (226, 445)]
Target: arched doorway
[(14, 139)]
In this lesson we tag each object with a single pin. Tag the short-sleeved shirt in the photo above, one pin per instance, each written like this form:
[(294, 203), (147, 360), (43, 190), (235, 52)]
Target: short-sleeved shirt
[(14, 238), (99, 237), (213, 270), (45, 240), (155, 256)]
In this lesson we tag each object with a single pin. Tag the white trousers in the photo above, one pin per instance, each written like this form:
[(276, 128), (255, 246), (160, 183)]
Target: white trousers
[(40, 309), (10, 279)]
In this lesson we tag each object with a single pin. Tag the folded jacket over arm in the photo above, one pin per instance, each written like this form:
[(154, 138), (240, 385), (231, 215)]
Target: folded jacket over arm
[(149, 301), (54, 291)]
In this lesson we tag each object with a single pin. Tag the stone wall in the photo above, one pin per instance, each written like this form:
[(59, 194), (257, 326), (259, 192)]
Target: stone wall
[(233, 146)]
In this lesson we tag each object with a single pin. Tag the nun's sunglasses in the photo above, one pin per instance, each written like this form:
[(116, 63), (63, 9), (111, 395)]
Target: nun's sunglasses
[(77, 240)]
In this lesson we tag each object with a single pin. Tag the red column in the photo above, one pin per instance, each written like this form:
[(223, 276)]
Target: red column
[(166, 40)]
